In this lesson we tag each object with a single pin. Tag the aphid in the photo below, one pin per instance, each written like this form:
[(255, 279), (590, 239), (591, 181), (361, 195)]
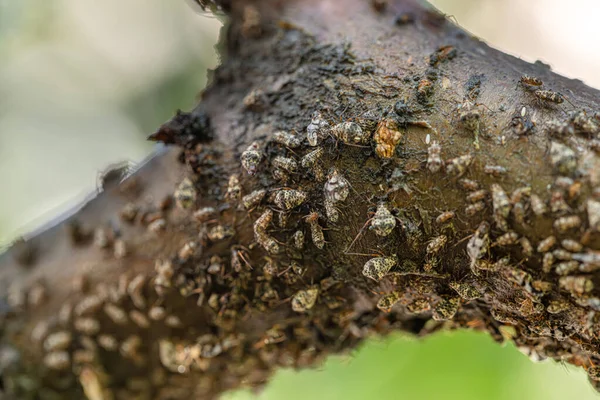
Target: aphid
[(251, 158), (478, 245), (473, 209), (350, 133), (310, 159), (57, 360), (299, 240), (157, 313), (436, 244), (564, 224), (139, 319), (135, 291), (538, 206), (563, 158), (549, 95), (187, 251), (253, 199), (444, 53), (185, 195), (88, 305), (446, 308), (37, 294), (337, 188), (58, 341), (64, 313), (459, 165), (470, 117), (593, 211), (387, 301), (526, 247), (157, 226), (173, 321), (424, 90), (593, 373), (87, 326), (518, 276), (220, 232), (546, 244), (383, 222), (466, 290), (304, 300), (387, 136), (566, 267), (261, 235), (164, 272), (469, 184), (563, 255), (444, 217), (287, 139), (108, 342), (317, 129), (530, 80), (434, 160), (576, 285), (287, 199), (541, 286), (572, 245), (518, 212), (285, 163), (495, 170), (501, 205), (558, 205), (519, 194), (547, 262), (316, 231), (331, 211), (120, 249), (130, 346), (376, 268), (234, 188), (477, 195), (503, 316), (506, 239), (204, 214)]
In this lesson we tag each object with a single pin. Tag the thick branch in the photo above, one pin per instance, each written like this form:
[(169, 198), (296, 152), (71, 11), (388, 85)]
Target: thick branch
[(449, 192)]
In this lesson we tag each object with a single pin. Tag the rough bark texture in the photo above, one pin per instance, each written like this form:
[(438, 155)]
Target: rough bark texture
[(449, 191)]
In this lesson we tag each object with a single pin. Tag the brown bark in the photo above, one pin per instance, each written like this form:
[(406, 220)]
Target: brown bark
[(219, 300)]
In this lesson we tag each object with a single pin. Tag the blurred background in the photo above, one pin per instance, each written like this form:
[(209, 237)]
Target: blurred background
[(82, 83)]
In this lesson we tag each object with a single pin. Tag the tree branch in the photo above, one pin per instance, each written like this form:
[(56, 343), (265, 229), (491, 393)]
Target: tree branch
[(438, 184)]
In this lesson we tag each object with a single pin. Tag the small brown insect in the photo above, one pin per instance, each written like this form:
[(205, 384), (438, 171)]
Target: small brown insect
[(88, 305), (478, 195), (157, 313), (436, 244), (549, 95), (424, 89), (459, 165), (204, 214), (387, 136), (253, 199), (58, 341), (546, 244), (108, 342), (469, 184), (563, 255), (563, 158), (316, 231), (57, 360), (287, 199), (317, 129), (310, 159), (287, 139), (135, 291), (376, 268), (185, 195), (286, 164), (526, 247), (566, 267), (251, 158), (495, 170), (261, 235), (383, 222), (87, 326), (572, 245), (220, 232), (299, 240), (434, 160), (501, 205), (576, 285), (530, 80), (304, 300), (234, 189), (564, 224), (473, 209), (538, 206), (350, 133), (547, 262), (444, 217), (337, 188), (558, 204), (139, 319), (506, 239), (187, 251), (478, 245), (593, 212)]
